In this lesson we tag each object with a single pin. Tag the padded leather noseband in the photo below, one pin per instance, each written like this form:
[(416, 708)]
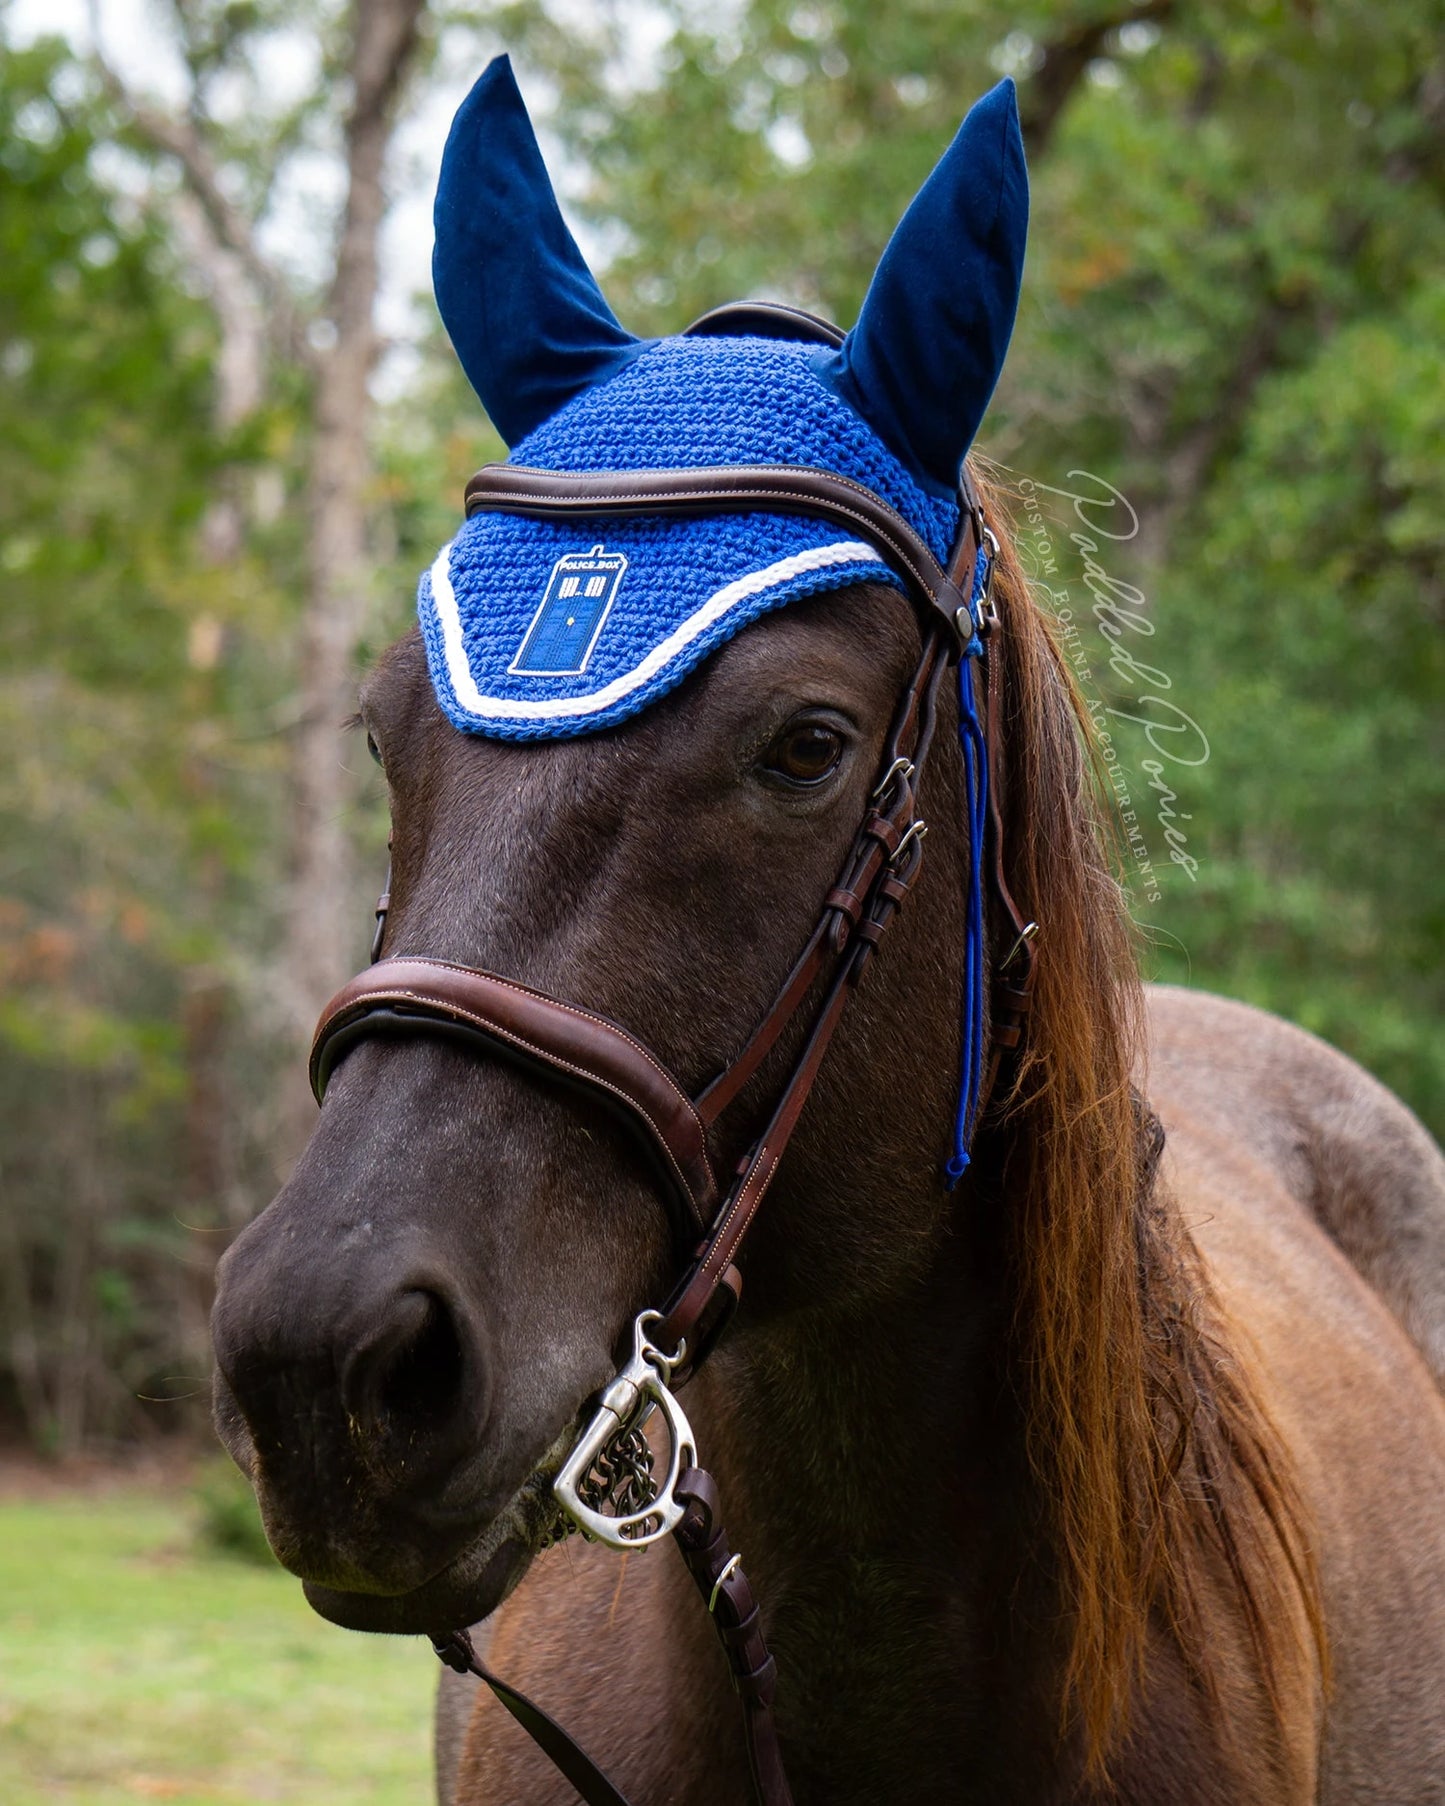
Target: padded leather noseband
[(569, 1045)]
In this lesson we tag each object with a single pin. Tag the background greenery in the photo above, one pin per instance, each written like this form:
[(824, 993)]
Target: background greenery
[(135, 1666), (1234, 311)]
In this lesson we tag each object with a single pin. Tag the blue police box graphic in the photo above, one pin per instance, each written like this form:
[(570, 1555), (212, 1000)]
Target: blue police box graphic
[(574, 609)]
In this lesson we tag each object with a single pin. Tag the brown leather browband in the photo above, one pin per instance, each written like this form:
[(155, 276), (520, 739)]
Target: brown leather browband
[(726, 489), (573, 1046)]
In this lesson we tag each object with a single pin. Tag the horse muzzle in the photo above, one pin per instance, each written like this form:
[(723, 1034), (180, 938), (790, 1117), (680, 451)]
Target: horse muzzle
[(356, 1394)]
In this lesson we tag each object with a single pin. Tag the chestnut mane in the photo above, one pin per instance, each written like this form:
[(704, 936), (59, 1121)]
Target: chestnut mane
[(1156, 1455)]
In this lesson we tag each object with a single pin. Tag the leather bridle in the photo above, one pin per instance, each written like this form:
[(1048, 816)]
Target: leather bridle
[(573, 1047)]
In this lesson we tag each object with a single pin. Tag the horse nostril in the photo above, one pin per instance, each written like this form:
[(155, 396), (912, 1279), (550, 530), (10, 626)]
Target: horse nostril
[(412, 1389), (422, 1383)]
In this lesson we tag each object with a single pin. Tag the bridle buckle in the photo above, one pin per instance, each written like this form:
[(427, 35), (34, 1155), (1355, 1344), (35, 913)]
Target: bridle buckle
[(986, 615), (900, 771), (978, 618), (911, 839)]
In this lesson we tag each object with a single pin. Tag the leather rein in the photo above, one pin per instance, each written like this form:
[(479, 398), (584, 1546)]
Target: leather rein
[(570, 1046)]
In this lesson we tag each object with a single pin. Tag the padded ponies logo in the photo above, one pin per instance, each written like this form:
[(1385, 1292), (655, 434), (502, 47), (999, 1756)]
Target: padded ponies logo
[(1121, 616), (574, 610)]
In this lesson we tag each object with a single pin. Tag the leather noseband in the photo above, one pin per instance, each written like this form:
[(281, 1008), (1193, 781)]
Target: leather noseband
[(571, 1046)]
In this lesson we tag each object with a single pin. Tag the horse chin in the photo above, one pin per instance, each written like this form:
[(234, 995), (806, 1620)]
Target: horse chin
[(467, 1590), (472, 1584)]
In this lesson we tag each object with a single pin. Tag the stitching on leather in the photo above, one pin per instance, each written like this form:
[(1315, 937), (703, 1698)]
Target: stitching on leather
[(699, 471), (719, 1238), (572, 1009), (731, 491), (548, 1058)]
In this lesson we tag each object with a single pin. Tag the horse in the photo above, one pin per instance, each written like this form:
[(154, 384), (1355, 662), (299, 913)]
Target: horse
[(1113, 1473)]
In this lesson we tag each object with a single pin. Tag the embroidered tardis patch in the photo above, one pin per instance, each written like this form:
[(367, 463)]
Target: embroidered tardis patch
[(574, 611), (537, 628)]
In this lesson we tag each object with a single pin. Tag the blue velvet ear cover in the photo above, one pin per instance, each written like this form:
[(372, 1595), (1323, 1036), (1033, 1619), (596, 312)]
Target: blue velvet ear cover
[(926, 353), (528, 321)]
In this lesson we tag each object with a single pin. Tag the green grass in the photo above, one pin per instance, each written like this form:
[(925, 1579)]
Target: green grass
[(133, 1667)]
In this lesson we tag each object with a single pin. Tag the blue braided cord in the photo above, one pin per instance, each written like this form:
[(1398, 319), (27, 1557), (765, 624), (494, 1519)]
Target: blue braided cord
[(975, 778)]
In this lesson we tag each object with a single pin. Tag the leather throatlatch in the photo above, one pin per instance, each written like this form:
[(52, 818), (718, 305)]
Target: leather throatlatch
[(574, 1047)]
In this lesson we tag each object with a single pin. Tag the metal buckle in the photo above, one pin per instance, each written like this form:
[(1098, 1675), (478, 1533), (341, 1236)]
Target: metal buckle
[(717, 1585), (624, 1407), (916, 831), (981, 617), (900, 768), (986, 619), (1025, 935)]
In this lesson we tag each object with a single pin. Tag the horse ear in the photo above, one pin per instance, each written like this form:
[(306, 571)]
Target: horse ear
[(923, 360), (525, 314)]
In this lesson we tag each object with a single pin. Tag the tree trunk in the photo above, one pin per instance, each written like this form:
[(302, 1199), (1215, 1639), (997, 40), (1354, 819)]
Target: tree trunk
[(327, 915)]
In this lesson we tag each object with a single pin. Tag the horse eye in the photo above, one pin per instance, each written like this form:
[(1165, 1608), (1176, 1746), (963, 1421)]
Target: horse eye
[(805, 753), (373, 748)]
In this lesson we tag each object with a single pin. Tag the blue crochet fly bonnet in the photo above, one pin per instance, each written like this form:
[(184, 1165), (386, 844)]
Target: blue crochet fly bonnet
[(541, 627), (537, 628)]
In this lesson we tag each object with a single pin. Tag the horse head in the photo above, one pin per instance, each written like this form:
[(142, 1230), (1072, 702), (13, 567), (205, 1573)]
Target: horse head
[(407, 1337), (660, 756)]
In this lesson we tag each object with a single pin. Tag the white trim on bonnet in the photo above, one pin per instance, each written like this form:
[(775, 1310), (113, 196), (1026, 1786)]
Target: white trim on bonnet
[(496, 708)]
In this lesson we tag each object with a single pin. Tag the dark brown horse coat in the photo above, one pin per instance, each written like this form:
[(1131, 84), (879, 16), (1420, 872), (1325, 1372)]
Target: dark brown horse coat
[(1115, 1474), (1066, 1487)]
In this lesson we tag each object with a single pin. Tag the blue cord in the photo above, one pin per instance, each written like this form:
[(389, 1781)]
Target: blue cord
[(975, 779)]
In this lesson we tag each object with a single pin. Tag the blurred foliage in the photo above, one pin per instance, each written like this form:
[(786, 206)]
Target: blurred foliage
[(1234, 312), (228, 1519), (139, 687)]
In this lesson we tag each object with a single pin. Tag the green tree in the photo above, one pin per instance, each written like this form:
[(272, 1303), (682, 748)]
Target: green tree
[(104, 467)]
